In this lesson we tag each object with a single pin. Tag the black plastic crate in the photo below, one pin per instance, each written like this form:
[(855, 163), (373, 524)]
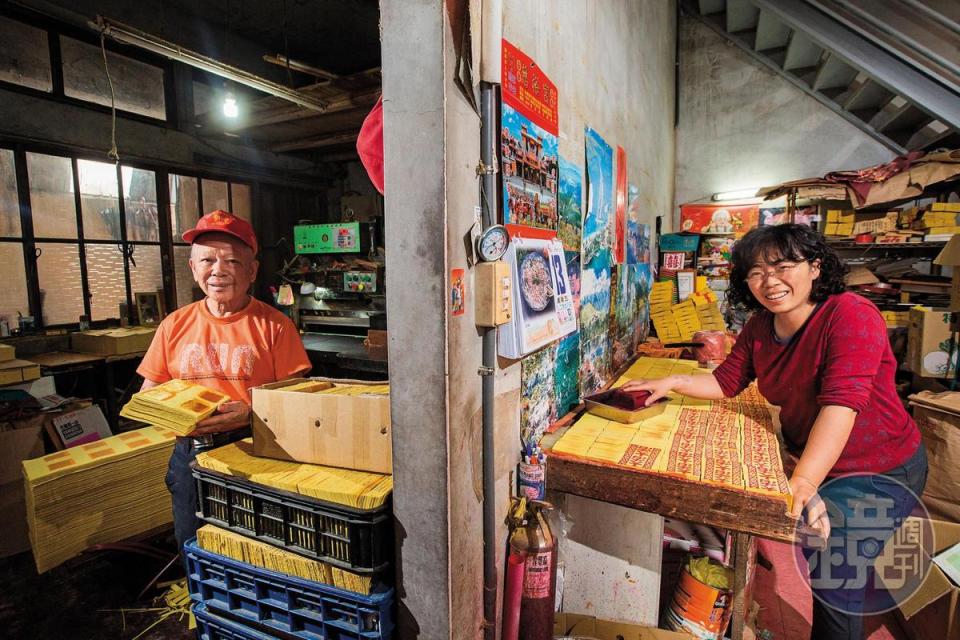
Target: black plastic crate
[(359, 540)]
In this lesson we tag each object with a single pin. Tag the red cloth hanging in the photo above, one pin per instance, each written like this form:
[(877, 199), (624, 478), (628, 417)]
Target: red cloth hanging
[(370, 144)]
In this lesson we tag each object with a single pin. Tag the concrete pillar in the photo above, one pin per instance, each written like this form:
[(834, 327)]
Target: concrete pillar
[(431, 146)]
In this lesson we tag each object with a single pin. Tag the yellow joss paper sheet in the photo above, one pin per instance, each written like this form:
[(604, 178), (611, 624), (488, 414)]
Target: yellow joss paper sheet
[(177, 405)]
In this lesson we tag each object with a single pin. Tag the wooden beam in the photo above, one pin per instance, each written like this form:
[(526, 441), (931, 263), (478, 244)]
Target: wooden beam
[(302, 67), (289, 112), (315, 142)]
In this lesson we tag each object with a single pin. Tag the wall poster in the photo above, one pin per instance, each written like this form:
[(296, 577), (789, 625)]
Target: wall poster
[(595, 265), (528, 141), (719, 218), (567, 372), (620, 225), (570, 223), (537, 398)]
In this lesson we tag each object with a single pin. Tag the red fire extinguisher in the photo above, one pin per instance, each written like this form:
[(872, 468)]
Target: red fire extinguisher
[(533, 539)]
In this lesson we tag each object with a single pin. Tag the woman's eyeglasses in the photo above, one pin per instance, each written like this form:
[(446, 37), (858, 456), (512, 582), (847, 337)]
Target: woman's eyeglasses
[(780, 271)]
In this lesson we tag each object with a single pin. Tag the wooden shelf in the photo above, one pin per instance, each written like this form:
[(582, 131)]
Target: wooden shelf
[(850, 244)]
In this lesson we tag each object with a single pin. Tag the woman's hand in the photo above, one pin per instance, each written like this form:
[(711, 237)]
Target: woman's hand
[(806, 499), (658, 387), (229, 416)]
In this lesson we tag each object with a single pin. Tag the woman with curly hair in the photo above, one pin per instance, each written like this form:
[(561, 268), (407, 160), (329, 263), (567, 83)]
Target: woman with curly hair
[(822, 355)]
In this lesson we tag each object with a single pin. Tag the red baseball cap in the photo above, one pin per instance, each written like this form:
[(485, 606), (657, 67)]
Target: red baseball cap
[(220, 221)]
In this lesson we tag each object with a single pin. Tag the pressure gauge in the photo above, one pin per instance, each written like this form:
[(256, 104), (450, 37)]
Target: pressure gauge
[(493, 243)]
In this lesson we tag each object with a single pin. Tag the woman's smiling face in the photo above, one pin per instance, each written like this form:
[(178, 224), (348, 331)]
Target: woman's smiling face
[(782, 285)]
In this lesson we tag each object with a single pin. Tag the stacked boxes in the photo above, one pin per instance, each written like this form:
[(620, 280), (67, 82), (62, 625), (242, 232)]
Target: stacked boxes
[(678, 322), (320, 536), (839, 223), (708, 310), (687, 319), (896, 319), (661, 313), (940, 220)]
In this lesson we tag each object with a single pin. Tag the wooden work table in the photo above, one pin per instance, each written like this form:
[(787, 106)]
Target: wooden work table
[(670, 496), (745, 513), (55, 363)]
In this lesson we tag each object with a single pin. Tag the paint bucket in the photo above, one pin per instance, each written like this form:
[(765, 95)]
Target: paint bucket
[(531, 480), (699, 609)]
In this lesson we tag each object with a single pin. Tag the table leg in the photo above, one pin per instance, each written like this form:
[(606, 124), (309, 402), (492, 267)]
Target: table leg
[(110, 396), (744, 559)]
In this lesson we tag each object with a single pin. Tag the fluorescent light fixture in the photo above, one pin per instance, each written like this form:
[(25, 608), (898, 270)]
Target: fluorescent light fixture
[(129, 35), (230, 108), (739, 194)]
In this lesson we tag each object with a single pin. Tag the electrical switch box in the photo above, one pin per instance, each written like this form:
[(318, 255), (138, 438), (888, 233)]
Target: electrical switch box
[(493, 288)]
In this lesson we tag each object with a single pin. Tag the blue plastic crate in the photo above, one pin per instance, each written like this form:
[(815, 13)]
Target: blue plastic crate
[(275, 602), (212, 627)]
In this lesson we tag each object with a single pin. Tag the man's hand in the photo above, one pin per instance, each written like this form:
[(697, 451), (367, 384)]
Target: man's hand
[(231, 415)]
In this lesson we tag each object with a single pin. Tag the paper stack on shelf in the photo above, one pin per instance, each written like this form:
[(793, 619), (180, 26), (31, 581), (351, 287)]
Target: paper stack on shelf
[(97, 493), (177, 405), (266, 556), (688, 321), (940, 222), (708, 310), (839, 223)]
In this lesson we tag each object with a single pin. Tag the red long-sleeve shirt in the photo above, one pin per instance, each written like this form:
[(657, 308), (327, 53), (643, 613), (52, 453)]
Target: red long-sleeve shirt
[(841, 356)]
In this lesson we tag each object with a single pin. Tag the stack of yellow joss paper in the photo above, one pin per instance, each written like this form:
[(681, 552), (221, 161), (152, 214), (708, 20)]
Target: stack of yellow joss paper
[(97, 493), (177, 405), (338, 388), (260, 554), (360, 489)]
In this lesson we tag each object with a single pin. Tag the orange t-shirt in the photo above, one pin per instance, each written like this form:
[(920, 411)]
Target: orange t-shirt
[(233, 354)]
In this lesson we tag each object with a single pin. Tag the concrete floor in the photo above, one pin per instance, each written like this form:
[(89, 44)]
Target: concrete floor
[(78, 600)]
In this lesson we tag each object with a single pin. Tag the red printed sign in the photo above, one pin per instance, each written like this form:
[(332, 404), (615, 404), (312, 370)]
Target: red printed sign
[(673, 261), (719, 218), (527, 89)]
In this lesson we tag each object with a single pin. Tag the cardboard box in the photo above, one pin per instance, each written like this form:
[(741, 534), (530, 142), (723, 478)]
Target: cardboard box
[(875, 223), (575, 625), (928, 343), (14, 371), (22, 442), (352, 432), (7, 352), (113, 342), (946, 206), (933, 610), (938, 417), (949, 256)]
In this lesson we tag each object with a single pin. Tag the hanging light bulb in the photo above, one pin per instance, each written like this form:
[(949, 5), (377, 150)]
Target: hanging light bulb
[(230, 108)]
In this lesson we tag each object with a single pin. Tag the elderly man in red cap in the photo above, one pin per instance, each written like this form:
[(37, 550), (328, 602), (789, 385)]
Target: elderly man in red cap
[(229, 341)]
